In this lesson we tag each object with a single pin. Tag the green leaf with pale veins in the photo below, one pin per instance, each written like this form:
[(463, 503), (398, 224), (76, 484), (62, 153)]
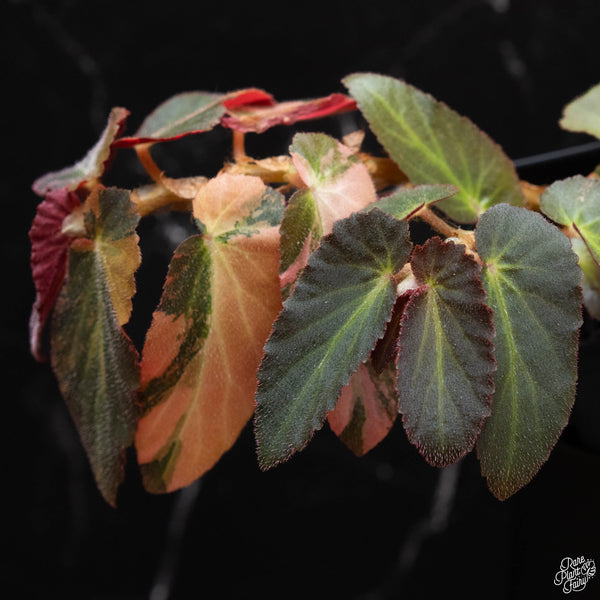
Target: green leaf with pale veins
[(432, 143), (328, 327), (583, 113), (406, 201), (575, 202), (446, 362), (532, 281), (95, 362)]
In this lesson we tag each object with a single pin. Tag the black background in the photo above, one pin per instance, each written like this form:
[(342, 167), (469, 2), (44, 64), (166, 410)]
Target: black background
[(324, 525)]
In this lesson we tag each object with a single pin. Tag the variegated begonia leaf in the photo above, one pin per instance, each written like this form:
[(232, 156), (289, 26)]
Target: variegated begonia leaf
[(583, 113), (446, 361), (338, 310), (366, 408), (49, 251), (92, 166), (431, 143), (575, 202), (206, 339), (338, 184), (532, 282), (95, 363)]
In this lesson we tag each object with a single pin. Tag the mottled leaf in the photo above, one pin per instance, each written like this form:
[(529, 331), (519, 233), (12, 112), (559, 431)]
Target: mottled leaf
[(338, 184), (446, 361), (366, 409), (576, 202), (95, 362), (433, 144), (206, 340), (583, 113), (532, 281), (49, 250), (92, 166), (328, 327), (260, 118), (406, 201)]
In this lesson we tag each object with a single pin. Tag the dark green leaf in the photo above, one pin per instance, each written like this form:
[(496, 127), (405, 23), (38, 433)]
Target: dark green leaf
[(433, 144), (532, 281), (328, 326), (446, 361)]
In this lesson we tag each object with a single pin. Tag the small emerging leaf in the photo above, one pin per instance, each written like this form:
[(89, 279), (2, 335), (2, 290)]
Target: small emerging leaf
[(532, 281), (576, 202), (49, 251), (328, 326), (95, 362), (92, 166), (431, 143), (206, 340), (446, 361), (583, 113)]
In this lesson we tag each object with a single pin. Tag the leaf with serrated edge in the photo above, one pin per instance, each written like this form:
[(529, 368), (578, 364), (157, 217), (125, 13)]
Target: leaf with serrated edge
[(95, 362), (329, 325), (576, 202), (338, 184), (366, 409), (92, 165), (49, 251), (205, 343), (446, 361), (406, 201), (583, 113), (432, 143), (532, 281)]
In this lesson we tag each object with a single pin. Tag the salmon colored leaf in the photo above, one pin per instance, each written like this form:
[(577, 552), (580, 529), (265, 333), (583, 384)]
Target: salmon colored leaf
[(431, 143), (366, 409), (49, 250), (92, 166), (338, 184), (95, 362), (575, 202), (258, 118), (532, 283), (446, 361), (583, 113), (206, 340), (328, 327), (406, 201)]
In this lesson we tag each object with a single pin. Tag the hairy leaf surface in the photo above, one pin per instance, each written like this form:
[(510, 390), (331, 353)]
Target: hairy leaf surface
[(583, 113), (49, 251), (338, 184), (328, 327), (92, 165), (205, 343), (446, 361), (366, 409), (406, 201), (576, 202), (532, 281), (95, 362), (433, 144)]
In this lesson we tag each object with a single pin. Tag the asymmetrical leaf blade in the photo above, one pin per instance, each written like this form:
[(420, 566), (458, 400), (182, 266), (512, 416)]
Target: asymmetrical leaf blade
[(404, 202), (576, 202), (95, 362), (583, 113), (92, 165), (446, 361), (328, 327), (532, 282), (431, 143), (205, 343)]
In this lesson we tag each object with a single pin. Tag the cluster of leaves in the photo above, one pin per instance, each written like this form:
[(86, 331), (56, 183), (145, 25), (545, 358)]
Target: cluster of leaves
[(302, 299)]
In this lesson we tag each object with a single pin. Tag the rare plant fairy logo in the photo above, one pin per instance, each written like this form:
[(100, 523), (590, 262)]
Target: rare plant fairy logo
[(574, 573)]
